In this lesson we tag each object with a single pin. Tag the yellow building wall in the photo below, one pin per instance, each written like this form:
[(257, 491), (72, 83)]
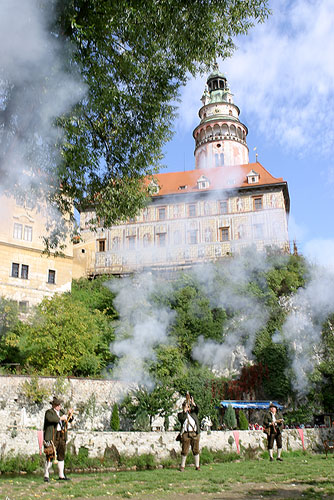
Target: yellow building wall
[(21, 244)]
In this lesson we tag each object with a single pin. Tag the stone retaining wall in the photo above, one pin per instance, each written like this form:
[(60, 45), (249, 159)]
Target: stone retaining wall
[(92, 399), (162, 444)]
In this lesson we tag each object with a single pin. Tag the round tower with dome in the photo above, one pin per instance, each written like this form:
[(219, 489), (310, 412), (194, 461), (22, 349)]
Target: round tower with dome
[(220, 136)]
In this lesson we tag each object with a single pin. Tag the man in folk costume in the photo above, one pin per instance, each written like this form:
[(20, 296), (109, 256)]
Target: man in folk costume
[(190, 431), (273, 426), (55, 436)]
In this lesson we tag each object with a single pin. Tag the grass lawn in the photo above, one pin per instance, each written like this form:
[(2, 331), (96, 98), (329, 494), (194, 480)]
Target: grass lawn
[(298, 476)]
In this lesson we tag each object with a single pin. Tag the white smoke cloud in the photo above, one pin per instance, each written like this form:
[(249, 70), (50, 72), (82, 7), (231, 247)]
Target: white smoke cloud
[(142, 327), (308, 310), (228, 290), (35, 88)]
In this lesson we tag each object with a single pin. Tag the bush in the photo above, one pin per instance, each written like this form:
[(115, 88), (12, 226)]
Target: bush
[(230, 420), (243, 422), (114, 421)]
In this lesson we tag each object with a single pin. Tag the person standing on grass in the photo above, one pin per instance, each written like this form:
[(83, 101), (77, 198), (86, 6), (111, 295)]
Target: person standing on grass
[(190, 431), (273, 426), (55, 436)]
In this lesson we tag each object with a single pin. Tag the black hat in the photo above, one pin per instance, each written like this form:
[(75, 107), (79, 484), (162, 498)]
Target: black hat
[(55, 401), (272, 405)]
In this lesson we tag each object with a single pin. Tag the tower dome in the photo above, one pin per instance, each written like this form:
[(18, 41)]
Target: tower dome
[(220, 137)]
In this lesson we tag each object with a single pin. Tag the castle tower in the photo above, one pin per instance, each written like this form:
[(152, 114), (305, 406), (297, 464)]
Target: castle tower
[(220, 137)]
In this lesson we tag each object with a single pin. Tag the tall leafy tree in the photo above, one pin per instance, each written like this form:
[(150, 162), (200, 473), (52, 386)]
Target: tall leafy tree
[(62, 338), (134, 57)]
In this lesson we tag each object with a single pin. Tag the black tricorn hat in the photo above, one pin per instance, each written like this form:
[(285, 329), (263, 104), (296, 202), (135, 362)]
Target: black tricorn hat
[(272, 405), (55, 401)]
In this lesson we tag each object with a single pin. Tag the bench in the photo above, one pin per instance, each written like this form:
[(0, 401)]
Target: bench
[(328, 446)]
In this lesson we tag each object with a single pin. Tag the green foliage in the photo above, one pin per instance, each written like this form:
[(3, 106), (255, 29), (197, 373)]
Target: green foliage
[(243, 422), (230, 419), (95, 295), (9, 318), (17, 463), (33, 391), (301, 415), (114, 421), (62, 338), (133, 60), (141, 406)]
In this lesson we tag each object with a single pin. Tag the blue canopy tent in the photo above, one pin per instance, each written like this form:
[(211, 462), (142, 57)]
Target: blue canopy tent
[(249, 405)]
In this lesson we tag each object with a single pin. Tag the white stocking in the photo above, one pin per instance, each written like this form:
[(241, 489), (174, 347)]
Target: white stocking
[(47, 467), (196, 457), (183, 461), (61, 468), (279, 451), (271, 453)]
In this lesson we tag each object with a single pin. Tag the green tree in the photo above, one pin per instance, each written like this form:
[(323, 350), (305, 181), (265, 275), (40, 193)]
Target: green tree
[(9, 319), (134, 57), (62, 338), (230, 420), (95, 295), (243, 422), (114, 421), (143, 403)]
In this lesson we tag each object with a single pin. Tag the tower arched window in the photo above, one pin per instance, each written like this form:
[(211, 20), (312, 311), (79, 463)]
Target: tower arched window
[(230, 112), (224, 129)]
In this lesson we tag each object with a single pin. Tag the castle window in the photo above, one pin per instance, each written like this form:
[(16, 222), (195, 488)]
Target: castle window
[(182, 188), (146, 240), (24, 271), (192, 210), (223, 207), (258, 205), (223, 234), (207, 209), (23, 306), (101, 245), (161, 239), (193, 237), (230, 112), (17, 233), (162, 213), (132, 242), (219, 159), (15, 270), (203, 182), (52, 276), (27, 233)]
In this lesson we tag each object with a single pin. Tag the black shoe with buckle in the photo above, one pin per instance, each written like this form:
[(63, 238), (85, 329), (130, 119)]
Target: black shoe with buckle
[(279, 459), (46, 480), (65, 478), (271, 459)]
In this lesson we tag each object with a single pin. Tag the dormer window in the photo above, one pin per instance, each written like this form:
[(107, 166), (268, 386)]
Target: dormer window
[(182, 188), (253, 177), (203, 182), (154, 187)]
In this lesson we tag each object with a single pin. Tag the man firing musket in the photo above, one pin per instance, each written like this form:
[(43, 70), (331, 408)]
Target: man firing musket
[(273, 426), (190, 431)]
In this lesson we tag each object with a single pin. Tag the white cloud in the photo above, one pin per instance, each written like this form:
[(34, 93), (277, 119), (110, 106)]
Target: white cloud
[(283, 77)]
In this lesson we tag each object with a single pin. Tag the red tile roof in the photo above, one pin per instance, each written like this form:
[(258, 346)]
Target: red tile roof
[(219, 178)]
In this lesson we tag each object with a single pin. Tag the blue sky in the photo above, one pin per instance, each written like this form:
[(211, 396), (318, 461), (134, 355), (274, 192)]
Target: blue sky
[(282, 78)]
